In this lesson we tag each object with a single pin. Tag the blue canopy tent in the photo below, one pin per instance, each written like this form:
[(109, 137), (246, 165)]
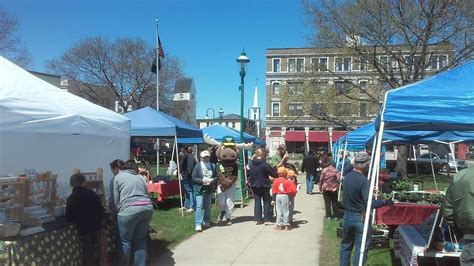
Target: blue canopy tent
[(148, 122), (258, 141), (217, 132), (444, 102)]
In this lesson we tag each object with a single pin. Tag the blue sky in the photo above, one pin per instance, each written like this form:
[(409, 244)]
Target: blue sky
[(207, 35)]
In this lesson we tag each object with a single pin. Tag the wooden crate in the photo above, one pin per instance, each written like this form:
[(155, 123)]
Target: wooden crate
[(12, 196)]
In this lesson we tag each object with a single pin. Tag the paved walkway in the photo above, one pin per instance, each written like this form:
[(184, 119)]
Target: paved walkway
[(245, 243)]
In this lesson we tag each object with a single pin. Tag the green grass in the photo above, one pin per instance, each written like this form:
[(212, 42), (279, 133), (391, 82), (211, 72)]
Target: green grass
[(428, 183), (330, 244)]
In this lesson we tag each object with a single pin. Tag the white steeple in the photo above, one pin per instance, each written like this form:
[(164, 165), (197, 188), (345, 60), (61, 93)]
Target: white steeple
[(256, 110)]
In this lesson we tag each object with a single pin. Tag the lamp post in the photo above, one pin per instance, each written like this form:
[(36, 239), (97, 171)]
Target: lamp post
[(330, 139), (242, 60), (213, 115), (221, 113)]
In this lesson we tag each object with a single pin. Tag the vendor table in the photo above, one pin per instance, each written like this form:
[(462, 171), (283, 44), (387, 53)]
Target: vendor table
[(404, 213), (164, 189), (57, 245)]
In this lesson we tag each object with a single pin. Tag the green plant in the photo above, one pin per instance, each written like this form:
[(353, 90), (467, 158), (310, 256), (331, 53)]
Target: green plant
[(385, 196), (435, 198), (401, 185)]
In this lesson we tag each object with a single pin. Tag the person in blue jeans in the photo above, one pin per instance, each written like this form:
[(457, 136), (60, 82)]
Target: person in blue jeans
[(134, 212), (204, 178), (310, 165), (187, 168), (356, 194)]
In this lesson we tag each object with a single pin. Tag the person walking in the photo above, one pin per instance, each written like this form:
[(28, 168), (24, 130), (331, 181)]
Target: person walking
[(204, 177), (457, 210), (187, 167), (134, 213), (261, 174), (310, 165), (328, 185), (356, 195)]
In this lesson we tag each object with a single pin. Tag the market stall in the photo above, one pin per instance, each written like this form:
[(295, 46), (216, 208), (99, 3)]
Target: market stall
[(442, 103)]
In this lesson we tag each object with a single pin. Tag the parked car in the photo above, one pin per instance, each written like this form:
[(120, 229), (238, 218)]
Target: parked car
[(445, 161)]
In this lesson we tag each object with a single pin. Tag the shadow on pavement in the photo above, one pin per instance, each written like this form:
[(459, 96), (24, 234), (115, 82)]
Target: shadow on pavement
[(297, 223), (158, 253)]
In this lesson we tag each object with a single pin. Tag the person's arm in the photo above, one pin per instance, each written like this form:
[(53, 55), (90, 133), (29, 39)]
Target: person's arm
[(69, 211), (271, 171), (322, 177), (447, 205), (196, 175), (116, 194), (302, 165), (283, 160), (190, 166)]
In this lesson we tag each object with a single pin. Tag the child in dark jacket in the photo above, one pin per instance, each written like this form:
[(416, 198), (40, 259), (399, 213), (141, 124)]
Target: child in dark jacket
[(282, 188)]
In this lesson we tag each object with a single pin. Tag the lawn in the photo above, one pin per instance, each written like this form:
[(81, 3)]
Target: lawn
[(428, 183)]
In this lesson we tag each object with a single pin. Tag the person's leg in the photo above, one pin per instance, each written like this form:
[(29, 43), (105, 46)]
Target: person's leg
[(285, 210), (199, 215), (359, 230), (291, 208), (335, 209), (309, 183), (193, 196), (207, 208), (279, 210), (467, 255), (230, 196), (257, 210), (87, 246), (126, 227), (188, 185), (139, 237), (327, 203), (347, 240), (267, 199)]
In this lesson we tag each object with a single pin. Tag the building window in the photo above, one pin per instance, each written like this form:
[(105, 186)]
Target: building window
[(364, 65), (276, 65), (295, 109), (362, 109), (300, 65), (343, 64), (383, 61), (343, 86), (254, 116), (295, 89), (323, 64), (276, 88), (275, 109), (342, 109), (233, 124), (385, 86), (317, 109), (291, 65), (226, 124), (363, 85), (438, 61)]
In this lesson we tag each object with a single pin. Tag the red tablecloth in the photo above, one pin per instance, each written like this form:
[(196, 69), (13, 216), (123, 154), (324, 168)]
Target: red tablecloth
[(404, 213), (163, 190)]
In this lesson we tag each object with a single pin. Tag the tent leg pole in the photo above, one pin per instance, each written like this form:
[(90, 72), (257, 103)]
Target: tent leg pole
[(432, 169), (342, 172), (179, 175), (157, 156), (376, 159), (416, 163), (451, 147)]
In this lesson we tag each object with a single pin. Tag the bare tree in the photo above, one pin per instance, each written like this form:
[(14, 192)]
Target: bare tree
[(124, 65), (397, 39), (11, 46)]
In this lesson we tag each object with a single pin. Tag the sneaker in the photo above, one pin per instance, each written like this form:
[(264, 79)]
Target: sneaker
[(327, 218), (228, 222), (207, 225), (221, 217), (287, 227), (277, 228), (268, 223), (189, 210), (335, 218), (198, 228), (259, 222)]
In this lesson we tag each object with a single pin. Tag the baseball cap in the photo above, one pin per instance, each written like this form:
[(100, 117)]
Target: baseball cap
[(361, 158), (228, 141), (205, 153)]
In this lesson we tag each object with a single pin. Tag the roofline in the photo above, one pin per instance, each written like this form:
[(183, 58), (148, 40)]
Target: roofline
[(42, 73)]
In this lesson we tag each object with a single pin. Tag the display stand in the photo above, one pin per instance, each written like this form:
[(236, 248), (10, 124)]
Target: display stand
[(95, 182), (40, 193), (12, 196)]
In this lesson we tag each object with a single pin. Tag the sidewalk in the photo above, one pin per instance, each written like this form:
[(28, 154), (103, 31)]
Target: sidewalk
[(245, 243)]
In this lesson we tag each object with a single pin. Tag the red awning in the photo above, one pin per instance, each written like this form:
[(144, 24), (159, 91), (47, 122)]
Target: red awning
[(318, 136), (337, 134), (295, 136)]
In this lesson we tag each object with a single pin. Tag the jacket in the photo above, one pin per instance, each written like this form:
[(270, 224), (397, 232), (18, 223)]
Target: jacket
[(197, 180), (329, 180), (283, 186), (457, 206), (310, 164), (129, 187), (187, 167), (259, 172), (84, 208)]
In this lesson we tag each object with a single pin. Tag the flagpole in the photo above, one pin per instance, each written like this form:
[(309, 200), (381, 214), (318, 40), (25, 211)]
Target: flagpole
[(157, 53)]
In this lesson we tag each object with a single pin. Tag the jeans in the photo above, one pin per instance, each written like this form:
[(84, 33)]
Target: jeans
[(189, 202), (261, 194), (203, 209), (133, 231), (467, 255), (282, 210), (225, 200), (292, 208), (309, 183), (330, 202), (353, 228)]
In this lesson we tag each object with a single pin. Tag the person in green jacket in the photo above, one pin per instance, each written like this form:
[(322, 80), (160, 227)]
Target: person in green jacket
[(458, 210)]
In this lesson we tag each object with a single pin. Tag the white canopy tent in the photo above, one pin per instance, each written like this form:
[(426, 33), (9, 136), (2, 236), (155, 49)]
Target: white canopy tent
[(48, 129)]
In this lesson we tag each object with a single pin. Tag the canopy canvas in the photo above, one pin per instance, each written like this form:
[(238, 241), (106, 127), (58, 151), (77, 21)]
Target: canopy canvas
[(148, 122), (444, 102), (217, 132), (48, 129)]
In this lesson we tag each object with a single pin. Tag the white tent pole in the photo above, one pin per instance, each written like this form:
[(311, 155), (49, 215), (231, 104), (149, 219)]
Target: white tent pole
[(451, 147), (157, 156), (416, 163), (342, 171), (377, 188), (179, 174), (432, 169), (376, 159)]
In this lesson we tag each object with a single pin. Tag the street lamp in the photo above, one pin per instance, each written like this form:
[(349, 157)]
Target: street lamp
[(330, 138), (221, 113), (213, 115), (242, 60)]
